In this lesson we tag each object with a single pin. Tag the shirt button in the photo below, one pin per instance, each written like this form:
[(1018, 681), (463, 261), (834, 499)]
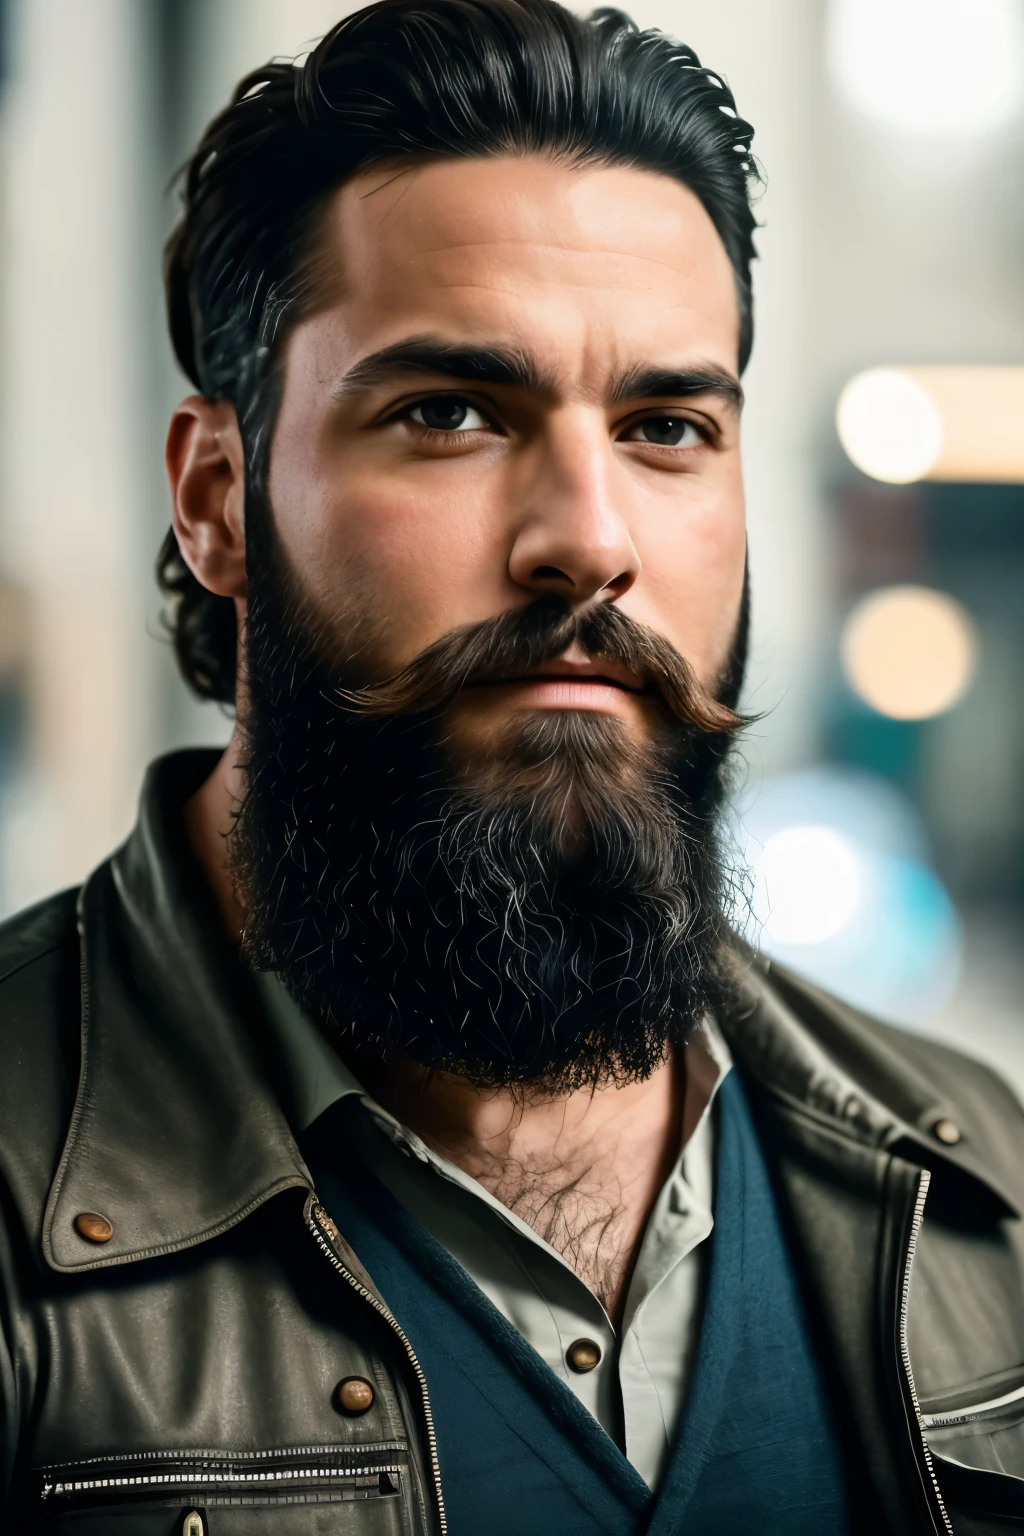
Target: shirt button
[(93, 1227), (582, 1356), (947, 1131), (354, 1395)]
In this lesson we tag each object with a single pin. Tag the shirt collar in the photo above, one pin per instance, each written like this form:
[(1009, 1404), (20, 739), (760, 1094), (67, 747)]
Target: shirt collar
[(313, 1075)]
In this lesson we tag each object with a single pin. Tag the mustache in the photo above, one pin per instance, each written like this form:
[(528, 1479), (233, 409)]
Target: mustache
[(515, 642)]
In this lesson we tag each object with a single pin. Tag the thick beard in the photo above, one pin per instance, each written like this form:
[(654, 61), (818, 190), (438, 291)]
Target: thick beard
[(551, 920)]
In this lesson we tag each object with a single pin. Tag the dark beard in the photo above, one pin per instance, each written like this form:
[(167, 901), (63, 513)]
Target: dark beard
[(550, 918)]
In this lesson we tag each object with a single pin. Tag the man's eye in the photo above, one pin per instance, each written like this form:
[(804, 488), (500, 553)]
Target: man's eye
[(666, 432), (447, 413)]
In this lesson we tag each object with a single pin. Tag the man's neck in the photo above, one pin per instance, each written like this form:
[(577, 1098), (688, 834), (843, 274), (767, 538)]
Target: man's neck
[(209, 817), (583, 1169)]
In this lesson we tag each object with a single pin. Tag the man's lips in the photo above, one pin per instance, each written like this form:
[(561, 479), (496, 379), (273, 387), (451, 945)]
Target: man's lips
[(567, 670), (570, 683)]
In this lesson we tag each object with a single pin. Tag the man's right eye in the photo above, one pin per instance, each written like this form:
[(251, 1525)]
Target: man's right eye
[(447, 413)]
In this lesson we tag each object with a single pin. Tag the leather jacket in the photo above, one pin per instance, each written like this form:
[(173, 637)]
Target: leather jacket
[(178, 1314)]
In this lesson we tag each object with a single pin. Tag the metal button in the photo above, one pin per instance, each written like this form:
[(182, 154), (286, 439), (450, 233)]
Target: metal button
[(947, 1131), (93, 1227), (583, 1355), (354, 1395)]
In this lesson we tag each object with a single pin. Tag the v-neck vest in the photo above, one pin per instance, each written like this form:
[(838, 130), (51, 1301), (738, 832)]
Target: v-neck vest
[(757, 1449)]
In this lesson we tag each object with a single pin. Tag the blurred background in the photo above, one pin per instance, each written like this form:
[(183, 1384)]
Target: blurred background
[(880, 810)]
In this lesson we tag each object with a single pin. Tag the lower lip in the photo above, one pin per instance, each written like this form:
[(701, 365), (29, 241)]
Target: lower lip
[(567, 693)]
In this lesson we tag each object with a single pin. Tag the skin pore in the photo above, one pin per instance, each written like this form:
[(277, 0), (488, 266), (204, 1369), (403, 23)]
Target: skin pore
[(521, 378)]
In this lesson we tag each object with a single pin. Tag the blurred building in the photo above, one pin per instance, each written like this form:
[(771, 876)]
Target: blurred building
[(885, 848)]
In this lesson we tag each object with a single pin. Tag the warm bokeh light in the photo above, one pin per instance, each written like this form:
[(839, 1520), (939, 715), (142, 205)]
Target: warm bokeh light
[(909, 652), (937, 68), (961, 423), (889, 425)]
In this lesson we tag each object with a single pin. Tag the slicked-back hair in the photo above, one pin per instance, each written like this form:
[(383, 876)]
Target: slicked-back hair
[(420, 80)]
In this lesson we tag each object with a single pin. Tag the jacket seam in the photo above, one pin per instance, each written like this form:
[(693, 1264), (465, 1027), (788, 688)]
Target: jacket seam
[(39, 954), (78, 1111), (193, 1240)]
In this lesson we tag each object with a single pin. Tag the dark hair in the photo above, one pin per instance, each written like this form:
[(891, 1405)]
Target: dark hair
[(425, 79)]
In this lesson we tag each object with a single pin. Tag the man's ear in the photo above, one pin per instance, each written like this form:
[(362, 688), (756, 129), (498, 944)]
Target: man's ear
[(206, 467)]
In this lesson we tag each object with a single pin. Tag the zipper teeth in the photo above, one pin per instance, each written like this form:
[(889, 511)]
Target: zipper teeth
[(915, 1228), (193, 1479), (314, 1213), (284, 1452), (975, 1410)]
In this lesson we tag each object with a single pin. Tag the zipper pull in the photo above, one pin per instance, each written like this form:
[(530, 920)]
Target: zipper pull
[(194, 1524)]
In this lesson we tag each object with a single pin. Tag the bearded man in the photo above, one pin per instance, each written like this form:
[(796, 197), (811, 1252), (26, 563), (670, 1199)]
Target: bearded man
[(394, 1137)]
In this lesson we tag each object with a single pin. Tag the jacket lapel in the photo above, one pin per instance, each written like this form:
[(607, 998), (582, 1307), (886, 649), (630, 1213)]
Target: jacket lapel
[(177, 1132)]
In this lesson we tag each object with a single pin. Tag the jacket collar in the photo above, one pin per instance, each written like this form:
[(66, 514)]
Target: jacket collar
[(828, 1063), (178, 1130)]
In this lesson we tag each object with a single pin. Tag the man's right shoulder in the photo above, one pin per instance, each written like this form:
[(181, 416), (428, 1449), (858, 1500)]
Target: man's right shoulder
[(35, 933), (40, 1032)]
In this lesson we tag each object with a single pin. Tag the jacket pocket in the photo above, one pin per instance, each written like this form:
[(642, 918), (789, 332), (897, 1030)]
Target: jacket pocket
[(976, 1432), (219, 1493)]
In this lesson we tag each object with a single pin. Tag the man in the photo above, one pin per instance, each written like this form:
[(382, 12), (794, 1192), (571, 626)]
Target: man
[(394, 1138)]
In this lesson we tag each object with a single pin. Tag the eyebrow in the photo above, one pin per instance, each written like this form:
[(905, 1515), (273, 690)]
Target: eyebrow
[(515, 369), (429, 354), (702, 379)]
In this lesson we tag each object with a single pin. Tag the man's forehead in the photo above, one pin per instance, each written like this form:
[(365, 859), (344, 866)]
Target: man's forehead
[(600, 266)]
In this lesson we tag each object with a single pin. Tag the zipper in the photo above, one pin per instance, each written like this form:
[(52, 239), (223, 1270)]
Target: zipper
[(311, 1474), (324, 1232), (974, 1411), (221, 1477), (367, 1472), (924, 1179)]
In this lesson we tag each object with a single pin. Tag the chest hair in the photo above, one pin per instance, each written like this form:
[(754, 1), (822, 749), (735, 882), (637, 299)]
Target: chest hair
[(588, 1220)]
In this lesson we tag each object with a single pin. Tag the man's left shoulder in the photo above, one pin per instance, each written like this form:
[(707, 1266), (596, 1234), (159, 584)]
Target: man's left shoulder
[(976, 1098)]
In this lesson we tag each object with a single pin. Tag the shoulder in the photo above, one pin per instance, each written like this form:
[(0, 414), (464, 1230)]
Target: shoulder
[(896, 1063), (38, 947), (36, 932), (943, 1064), (40, 1026)]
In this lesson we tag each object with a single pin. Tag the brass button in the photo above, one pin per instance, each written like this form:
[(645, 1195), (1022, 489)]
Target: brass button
[(93, 1227), (947, 1131), (583, 1356), (354, 1395)]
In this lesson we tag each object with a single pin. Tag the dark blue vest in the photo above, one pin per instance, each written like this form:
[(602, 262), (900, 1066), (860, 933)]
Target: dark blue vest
[(757, 1450)]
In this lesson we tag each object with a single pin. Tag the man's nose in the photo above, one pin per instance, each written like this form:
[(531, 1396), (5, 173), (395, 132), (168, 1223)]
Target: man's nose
[(573, 536)]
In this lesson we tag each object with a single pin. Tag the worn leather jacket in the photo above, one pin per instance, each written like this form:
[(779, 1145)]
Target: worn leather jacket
[(179, 1316)]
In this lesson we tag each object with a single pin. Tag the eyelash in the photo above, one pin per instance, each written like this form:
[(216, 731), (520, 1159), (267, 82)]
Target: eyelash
[(457, 437)]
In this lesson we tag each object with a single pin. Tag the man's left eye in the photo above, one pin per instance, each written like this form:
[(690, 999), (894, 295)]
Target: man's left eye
[(447, 413), (665, 432)]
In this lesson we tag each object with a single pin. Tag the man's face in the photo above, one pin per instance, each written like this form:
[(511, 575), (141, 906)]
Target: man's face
[(521, 381), (504, 509)]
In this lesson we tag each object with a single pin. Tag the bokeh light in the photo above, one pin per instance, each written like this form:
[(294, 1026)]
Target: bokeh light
[(808, 884), (889, 425), (937, 68), (839, 888), (909, 652), (957, 422)]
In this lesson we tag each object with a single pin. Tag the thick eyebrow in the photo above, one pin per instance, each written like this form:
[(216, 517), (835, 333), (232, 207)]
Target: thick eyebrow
[(430, 354), (676, 383), (517, 370)]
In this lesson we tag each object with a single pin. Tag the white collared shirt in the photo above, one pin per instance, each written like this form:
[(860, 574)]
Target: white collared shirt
[(637, 1389)]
